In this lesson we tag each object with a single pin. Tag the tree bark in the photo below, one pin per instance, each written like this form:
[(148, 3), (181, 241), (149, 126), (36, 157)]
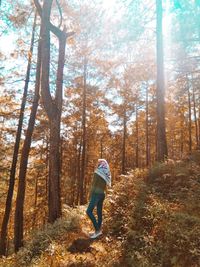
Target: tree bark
[(83, 155), (73, 171), (160, 90), (124, 139), (199, 121), (19, 211), (55, 142), (137, 138), (182, 135), (16, 150), (78, 173), (189, 119), (147, 127), (52, 107), (195, 117), (35, 201)]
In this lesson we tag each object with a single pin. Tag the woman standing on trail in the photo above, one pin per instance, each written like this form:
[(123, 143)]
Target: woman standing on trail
[(101, 178)]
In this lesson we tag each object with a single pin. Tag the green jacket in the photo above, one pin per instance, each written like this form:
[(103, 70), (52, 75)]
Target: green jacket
[(98, 184)]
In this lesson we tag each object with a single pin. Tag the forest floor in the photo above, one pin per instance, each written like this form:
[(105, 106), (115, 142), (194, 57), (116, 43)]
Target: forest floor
[(68, 247), (150, 218), (77, 249)]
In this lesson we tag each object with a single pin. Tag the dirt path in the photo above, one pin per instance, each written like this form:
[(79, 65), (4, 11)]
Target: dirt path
[(77, 249)]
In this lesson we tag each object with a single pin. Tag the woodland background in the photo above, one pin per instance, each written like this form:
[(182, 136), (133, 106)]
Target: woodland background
[(117, 80)]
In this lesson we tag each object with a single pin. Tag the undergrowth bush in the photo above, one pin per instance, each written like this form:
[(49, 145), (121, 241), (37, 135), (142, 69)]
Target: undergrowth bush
[(41, 239), (181, 240), (159, 220), (175, 181), (162, 237), (120, 203)]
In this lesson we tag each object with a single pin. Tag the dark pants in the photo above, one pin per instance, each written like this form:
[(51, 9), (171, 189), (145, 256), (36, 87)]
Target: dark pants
[(96, 200)]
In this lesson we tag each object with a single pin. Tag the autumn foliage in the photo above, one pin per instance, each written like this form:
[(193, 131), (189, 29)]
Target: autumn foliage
[(83, 80)]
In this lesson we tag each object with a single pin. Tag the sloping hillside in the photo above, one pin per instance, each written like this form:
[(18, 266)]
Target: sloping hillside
[(161, 215), (151, 218)]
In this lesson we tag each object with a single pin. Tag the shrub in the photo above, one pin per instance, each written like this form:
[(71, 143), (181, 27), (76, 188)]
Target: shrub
[(163, 228), (121, 202), (41, 239), (181, 240)]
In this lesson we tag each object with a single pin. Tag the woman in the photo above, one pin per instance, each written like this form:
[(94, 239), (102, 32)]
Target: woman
[(101, 178)]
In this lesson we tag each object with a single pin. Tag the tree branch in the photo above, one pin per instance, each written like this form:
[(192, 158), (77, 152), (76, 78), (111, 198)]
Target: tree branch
[(60, 11), (53, 28)]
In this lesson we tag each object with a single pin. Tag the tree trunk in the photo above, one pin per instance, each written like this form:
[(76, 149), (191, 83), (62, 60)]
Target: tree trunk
[(160, 90), (46, 169), (35, 201), (73, 171), (55, 144), (78, 173), (137, 138), (54, 170), (147, 127), (189, 119), (182, 135), (15, 153), (19, 211), (199, 121), (195, 117), (124, 140), (52, 107), (83, 155)]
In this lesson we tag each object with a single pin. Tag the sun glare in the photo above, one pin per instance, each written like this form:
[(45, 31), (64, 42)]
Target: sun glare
[(7, 44), (167, 24), (108, 3)]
